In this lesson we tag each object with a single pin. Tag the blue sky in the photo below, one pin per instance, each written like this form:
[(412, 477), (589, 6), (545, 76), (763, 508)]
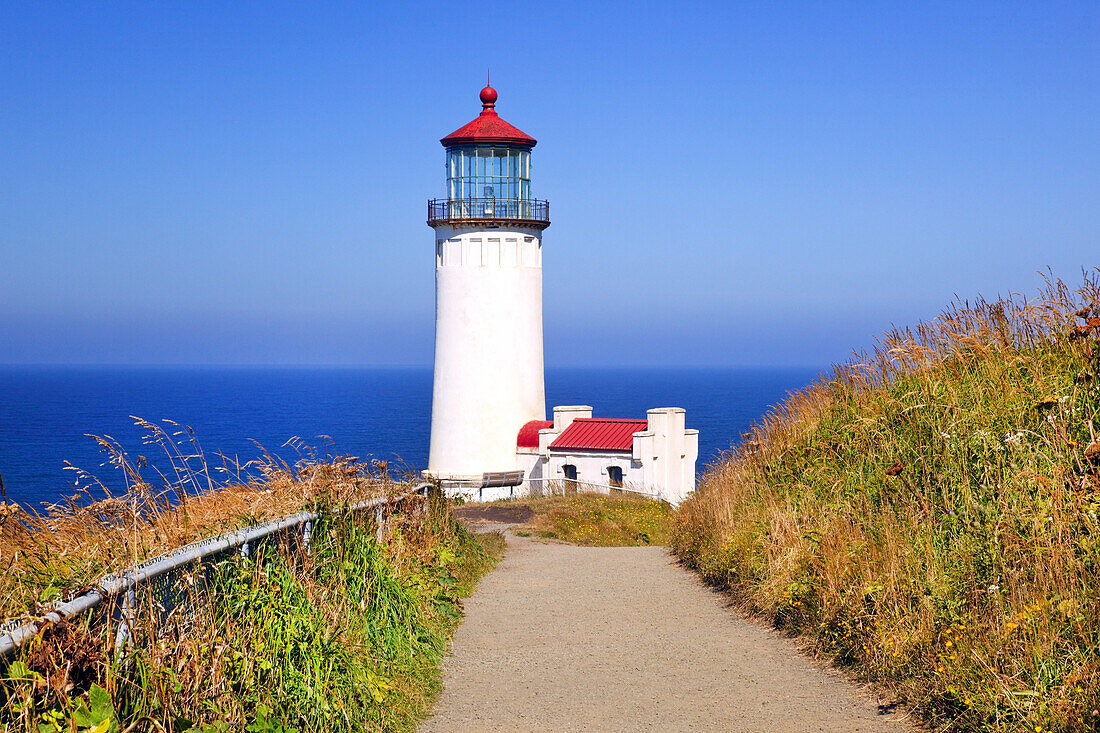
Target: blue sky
[(764, 183)]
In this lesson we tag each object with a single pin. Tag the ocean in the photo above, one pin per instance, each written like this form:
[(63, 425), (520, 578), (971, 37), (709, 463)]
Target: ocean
[(46, 413)]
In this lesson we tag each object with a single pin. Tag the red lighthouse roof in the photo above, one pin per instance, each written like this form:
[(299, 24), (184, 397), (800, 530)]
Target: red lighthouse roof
[(488, 127)]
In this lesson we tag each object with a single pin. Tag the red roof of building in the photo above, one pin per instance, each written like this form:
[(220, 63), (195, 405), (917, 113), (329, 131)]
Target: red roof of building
[(602, 434), (488, 127), (529, 434)]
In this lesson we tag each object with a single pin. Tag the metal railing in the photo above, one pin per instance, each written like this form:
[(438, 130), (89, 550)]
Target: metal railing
[(533, 211), (125, 583), (564, 485)]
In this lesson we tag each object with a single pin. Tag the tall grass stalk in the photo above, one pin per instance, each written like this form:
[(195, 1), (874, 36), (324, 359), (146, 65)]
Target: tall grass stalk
[(927, 514)]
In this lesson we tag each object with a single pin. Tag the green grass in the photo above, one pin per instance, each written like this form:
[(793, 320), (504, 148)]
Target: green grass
[(349, 638), (596, 520), (928, 516)]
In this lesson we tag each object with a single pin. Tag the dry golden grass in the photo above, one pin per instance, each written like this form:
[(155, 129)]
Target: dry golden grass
[(594, 520), (928, 514), (598, 520), (347, 636), (75, 542)]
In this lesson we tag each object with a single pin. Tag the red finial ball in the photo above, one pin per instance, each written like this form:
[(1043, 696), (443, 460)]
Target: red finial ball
[(488, 96)]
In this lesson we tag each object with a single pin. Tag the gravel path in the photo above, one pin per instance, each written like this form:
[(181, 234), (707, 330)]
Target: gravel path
[(564, 638)]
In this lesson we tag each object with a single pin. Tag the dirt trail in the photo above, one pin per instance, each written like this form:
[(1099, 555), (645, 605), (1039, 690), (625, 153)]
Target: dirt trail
[(564, 638)]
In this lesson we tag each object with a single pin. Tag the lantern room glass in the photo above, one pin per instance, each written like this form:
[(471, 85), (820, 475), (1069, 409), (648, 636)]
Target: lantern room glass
[(488, 172)]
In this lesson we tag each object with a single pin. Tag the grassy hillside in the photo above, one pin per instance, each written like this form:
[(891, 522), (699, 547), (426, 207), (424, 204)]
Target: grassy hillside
[(928, 515), (347, 637)]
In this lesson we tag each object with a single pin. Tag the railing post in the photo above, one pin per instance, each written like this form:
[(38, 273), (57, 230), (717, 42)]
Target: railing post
[(307, 535), (245, 549), (122, 638), (378, 524)]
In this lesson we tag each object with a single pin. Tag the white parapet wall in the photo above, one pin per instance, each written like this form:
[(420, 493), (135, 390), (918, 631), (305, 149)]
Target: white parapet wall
[(488, 349), (666, 453)]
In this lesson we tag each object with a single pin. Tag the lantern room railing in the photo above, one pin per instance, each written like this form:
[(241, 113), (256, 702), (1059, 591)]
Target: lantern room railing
[(534, 211)]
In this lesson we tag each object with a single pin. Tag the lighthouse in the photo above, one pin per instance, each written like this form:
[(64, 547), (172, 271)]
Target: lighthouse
[(488, 379)]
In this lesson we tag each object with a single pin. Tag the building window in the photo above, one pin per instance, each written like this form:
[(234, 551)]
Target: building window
[(615, 476), (570, 472)]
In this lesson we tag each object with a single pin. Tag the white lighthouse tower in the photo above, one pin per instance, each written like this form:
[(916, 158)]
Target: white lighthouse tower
[(488, 312)]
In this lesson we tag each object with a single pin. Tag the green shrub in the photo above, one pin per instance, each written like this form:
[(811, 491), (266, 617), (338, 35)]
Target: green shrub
[(349, 637)]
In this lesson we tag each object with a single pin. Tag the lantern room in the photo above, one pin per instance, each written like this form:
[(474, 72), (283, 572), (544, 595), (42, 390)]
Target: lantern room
[(488, 172)]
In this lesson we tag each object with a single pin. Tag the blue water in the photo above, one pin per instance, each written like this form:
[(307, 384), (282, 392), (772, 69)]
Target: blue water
[(45, 412)]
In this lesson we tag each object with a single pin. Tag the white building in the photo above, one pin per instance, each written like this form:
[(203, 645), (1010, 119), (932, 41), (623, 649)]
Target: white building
[(488, 381), (655, 456)]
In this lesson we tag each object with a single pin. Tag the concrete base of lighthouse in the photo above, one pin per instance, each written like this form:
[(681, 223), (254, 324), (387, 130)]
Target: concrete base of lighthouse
[(488, 352)]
